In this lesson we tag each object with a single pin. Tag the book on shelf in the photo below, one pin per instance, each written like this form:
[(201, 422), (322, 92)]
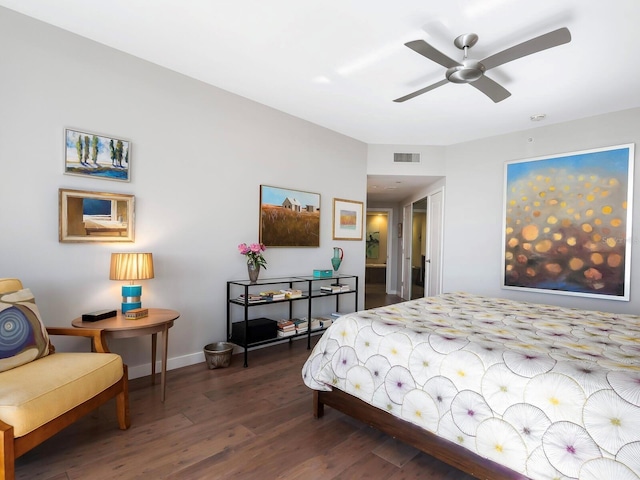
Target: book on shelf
[(251, 298), (302, 325), (286, 326), (330, 289), (315, 324), (291, 293), (287, 333), (335, 288), (323, 321), (272, 295)]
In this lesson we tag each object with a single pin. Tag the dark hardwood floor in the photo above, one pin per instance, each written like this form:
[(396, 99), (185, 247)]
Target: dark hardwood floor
[(375, 296), (232, 422)]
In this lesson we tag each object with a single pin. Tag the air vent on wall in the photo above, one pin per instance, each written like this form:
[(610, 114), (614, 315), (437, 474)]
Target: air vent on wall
[(406, 158)]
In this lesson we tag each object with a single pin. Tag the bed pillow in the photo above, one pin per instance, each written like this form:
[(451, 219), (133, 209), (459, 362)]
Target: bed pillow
[(23, 337)]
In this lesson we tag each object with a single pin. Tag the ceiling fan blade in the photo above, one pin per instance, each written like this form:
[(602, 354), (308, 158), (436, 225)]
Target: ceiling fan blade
[(537, 44), (491, 89), (421, 91), (426, 50)]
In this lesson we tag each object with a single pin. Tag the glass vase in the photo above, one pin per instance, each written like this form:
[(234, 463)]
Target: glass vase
[(338, 254), (254, 271)]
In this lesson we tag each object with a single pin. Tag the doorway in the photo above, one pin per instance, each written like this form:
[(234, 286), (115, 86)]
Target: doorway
[(378, 236), (422, 247)]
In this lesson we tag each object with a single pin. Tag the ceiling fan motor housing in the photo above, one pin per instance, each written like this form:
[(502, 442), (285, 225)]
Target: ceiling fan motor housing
[(468, 72)]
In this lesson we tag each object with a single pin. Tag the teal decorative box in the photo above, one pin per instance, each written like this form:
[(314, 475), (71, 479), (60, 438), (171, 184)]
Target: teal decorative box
[(323, 273)]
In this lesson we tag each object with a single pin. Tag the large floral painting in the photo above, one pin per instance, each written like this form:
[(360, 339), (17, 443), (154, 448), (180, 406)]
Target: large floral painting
[(567, 223)]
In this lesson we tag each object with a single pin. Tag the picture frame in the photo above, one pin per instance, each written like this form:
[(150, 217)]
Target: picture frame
[(567, 223), (95, 155), (95, 217), (348, 219), (289, 218)]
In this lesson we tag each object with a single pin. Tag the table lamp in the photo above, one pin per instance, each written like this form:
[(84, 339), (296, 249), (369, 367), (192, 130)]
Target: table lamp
[(131, 266)]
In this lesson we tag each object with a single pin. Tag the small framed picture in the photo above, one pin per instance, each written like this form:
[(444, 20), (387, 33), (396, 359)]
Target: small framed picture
[(95, 217), (98, 156), (347, 219)]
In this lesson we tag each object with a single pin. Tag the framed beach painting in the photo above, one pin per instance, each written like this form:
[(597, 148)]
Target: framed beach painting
[(95, 217), (94, 155), (289, 218), (347, 219), (567, 223)]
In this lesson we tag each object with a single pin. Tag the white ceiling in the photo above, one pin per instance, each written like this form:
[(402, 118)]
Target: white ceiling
[(340, 63)]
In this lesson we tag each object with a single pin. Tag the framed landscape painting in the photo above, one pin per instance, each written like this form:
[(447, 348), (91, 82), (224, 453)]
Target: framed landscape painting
[(289, 218), (567, 223), (347, 219), (98, 156)]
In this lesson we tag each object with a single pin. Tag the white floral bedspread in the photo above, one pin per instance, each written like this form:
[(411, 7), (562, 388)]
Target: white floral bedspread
[(550, 392)]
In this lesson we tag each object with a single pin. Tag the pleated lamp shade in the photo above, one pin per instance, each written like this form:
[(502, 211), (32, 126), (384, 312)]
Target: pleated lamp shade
[(132, 267)]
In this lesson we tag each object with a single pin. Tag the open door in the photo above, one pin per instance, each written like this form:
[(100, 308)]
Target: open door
[(422, 240), (435, 229), (405, 289)]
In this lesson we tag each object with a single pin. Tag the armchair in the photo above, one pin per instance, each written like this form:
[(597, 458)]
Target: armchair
[(44, 395)]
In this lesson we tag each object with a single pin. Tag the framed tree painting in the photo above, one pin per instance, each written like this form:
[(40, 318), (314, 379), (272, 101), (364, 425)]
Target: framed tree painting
[(98, 156), (347, 219), (289, 218), (567, 223)]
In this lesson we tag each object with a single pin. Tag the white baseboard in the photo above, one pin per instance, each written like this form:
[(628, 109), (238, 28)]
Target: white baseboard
[(193, 358), (174, 362)]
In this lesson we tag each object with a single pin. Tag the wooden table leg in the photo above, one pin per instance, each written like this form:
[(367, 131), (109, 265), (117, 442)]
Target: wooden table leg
[(154, 341), (165, 348)]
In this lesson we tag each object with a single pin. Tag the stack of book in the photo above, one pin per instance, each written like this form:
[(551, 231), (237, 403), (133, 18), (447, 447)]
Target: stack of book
[(301, 324), (272, 295), (292, 293), (251, 298), (335, 288), (315, 324), (324, 322), (286, 328)]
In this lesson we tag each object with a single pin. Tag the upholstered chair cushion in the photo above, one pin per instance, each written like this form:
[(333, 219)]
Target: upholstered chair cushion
[(38, 392), (23, 336)]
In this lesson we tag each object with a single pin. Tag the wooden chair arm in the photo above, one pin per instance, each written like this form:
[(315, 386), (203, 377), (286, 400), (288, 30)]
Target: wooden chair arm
[(97, 336)]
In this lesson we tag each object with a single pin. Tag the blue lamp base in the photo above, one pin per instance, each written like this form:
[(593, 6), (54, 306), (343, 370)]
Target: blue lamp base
[(131, 297)]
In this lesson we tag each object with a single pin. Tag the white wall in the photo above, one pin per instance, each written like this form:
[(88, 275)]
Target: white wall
[(473, 204), (199, 155), (380, 160)]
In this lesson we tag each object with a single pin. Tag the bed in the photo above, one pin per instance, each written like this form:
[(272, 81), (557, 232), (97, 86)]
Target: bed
[(497, 388)]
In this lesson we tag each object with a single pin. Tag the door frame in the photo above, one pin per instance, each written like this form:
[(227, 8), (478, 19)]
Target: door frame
[(431, 234), (405, 250), (390, 258)]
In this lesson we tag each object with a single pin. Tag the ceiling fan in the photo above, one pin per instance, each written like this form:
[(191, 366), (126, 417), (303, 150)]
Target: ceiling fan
[(472, 71)]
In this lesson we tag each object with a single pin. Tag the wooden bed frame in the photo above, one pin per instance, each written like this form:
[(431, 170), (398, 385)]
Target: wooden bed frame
[(425, 441)]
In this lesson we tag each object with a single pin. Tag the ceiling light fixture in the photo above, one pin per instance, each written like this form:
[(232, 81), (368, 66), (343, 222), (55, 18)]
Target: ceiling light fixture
[(538, 117)]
